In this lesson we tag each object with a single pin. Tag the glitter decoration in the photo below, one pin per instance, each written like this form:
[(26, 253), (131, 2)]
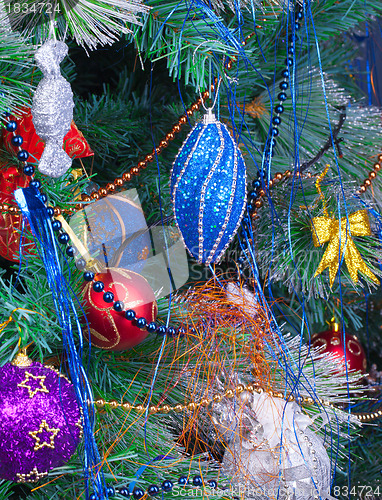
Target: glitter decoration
[(272, 451), (52, 108), (28, 382), (40, 424), (75, 143), (41, 442), (208, 189)]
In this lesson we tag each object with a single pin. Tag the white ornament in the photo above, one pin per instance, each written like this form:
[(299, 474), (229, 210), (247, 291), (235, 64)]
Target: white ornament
[(271, 451), (52, 108), (242, 298)]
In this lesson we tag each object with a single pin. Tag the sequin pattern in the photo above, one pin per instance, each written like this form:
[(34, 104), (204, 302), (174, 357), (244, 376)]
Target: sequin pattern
[(208, 188), (40, 432)]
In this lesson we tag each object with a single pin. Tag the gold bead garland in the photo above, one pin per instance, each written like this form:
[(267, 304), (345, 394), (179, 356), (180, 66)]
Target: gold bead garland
[(126, 177), (229, 393), (372, 175), (368, 417)]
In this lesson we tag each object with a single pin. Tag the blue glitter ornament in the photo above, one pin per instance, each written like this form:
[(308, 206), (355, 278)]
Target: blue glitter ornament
[(208, 189)]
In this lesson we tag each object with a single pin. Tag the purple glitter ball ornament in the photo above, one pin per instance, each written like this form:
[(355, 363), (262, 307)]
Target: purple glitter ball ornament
[(40, 422)]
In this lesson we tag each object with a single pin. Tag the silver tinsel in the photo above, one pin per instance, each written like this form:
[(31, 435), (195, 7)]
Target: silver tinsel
[(5, 25), (271, 452), (52, 108)]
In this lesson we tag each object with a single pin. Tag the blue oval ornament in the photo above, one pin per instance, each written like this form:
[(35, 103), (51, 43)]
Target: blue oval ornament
[(208, 189)]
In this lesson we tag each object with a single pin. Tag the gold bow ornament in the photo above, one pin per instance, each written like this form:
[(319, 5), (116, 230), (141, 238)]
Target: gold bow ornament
[(341, 245)]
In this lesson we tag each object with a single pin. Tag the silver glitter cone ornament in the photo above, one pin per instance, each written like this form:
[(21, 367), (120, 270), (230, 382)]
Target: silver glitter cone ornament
[(52, 108), (271, 452)]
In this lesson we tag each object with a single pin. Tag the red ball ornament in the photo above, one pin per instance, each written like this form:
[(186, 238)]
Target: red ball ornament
[(109, 329), (331, 341)]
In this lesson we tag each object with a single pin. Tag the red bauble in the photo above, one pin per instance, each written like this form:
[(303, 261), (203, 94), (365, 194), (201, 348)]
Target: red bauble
[(331, 341), (10, 222), (110, 329)]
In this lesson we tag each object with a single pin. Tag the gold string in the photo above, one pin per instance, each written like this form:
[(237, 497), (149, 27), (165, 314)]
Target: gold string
[(4, 324)]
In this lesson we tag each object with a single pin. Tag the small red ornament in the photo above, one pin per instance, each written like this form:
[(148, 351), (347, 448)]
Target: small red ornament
[(75, 143), (10, 222), (110, 329), (331, 341)]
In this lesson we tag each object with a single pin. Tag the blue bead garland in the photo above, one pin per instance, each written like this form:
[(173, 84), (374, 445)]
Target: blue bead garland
[(63, 238), (88, 275), (17, 140), (118, 306), (138, 493), (35, 183), (151, 327), (98, 286), (29, 169), (161, 330), (167, 485), (154, 490), (56, 225), (108, 297), (50, 211), (197, 481), (253, 196), (11, 126), (130, 315), (22, 155), (140, 322), (171, 331)]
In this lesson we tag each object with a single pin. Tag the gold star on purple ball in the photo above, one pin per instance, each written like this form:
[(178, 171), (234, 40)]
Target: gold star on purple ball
[(40, 388), (39, 444)]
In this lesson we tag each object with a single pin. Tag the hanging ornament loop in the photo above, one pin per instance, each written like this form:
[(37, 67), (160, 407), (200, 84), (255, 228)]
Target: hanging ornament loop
[(217, 82), (209, 110)]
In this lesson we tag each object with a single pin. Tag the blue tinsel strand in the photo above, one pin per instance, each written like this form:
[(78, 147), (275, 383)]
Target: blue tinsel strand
[(35, 213)]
